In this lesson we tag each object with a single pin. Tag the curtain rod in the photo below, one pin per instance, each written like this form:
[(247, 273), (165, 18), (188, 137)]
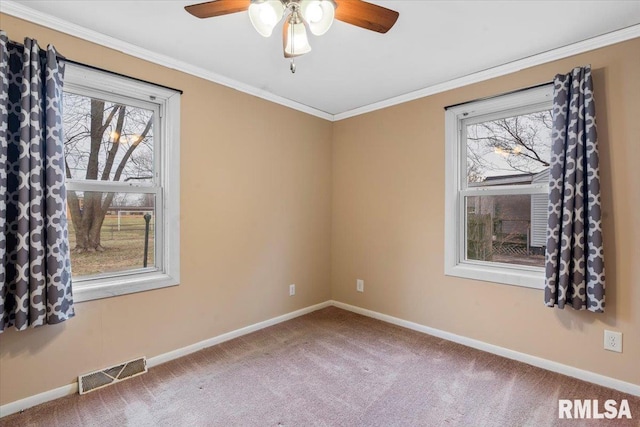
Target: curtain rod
[(502, 94), (93, 67)]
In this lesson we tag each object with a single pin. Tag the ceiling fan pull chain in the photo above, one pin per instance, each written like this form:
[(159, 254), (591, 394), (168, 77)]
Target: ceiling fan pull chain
[(315, 16), (292, 66)]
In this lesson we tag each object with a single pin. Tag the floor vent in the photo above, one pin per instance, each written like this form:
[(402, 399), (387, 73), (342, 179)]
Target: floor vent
[(114, 374)]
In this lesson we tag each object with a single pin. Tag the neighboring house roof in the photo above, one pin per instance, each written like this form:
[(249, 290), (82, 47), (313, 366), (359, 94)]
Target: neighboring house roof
[(513, 179)]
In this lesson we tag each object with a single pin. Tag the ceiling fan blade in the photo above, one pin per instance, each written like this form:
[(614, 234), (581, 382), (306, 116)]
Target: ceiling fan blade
[(366, 15), (217, 8)]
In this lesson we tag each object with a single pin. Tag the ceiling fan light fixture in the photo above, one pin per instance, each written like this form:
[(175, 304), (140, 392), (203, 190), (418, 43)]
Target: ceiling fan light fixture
[(265, 15), (315, 15), (318, 14), (296, 41)]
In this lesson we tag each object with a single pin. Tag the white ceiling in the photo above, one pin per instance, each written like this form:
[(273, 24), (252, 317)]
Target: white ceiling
[(432, 42)]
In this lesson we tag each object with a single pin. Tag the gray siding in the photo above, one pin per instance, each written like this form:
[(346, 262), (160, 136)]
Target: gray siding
[(539, 208)]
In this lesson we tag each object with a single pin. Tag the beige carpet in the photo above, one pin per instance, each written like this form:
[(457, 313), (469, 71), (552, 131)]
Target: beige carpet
[(330, 368)]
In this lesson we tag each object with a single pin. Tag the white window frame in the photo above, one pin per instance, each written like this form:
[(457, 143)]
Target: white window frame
[(456, 189), (165, 103)]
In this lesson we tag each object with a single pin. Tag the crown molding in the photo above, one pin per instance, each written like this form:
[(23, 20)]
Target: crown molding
[(607, 39), (18, 10)]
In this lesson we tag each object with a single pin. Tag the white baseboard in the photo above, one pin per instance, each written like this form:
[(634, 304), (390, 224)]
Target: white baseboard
[(28, 402), (634, 389), (549, 365), (162, 358)]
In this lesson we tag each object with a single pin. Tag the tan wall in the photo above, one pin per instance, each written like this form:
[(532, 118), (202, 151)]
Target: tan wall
[(255, 217), (388, 220)]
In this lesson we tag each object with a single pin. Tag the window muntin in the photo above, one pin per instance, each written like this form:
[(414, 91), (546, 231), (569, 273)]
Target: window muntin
[(111, 143), (122, 155), (497, 188)]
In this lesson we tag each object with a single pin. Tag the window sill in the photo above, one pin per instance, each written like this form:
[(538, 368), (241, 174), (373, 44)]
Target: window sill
[(115, 286), (509, 276)]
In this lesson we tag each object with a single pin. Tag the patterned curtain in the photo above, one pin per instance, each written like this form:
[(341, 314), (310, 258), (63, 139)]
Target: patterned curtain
[(574, 254), (35, 270)]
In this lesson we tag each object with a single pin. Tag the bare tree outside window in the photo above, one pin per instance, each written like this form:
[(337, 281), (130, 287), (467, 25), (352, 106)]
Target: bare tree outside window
[(105, 141), (507, 151), (498, 153), (509, 146)]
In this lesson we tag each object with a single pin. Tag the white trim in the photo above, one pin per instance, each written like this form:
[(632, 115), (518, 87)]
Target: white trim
[(549, 365), (504, 190), (18, 10), (28, 402), (165, 104), (597, 42), (514, 275), (111, 186), (456, 187), (10, 7), (634, 389), (171, 199), (166, 357), (509, 104), (87, 289), (450, 191), (38, 399)]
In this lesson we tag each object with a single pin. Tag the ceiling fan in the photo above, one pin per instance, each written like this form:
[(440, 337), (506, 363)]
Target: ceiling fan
[(301, 15)]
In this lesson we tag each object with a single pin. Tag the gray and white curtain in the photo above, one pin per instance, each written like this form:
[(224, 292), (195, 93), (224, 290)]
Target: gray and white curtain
[(574, 254), (35, 270)]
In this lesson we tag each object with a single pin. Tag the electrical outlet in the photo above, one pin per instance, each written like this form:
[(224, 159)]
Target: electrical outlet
[(360, 285), (613, 341), (292, 290)]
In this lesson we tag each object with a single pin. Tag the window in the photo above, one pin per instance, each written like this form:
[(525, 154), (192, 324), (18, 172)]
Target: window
[(122, 163), (497, 171)]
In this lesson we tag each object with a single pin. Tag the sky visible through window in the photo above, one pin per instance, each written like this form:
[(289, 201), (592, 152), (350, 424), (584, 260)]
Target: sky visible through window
[(515, 145), (111, 230), (123, 127)]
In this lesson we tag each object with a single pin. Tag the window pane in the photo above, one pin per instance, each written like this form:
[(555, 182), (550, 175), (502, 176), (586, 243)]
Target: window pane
[(509, 151), (107, 141), (507, 229), (111, 239)]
